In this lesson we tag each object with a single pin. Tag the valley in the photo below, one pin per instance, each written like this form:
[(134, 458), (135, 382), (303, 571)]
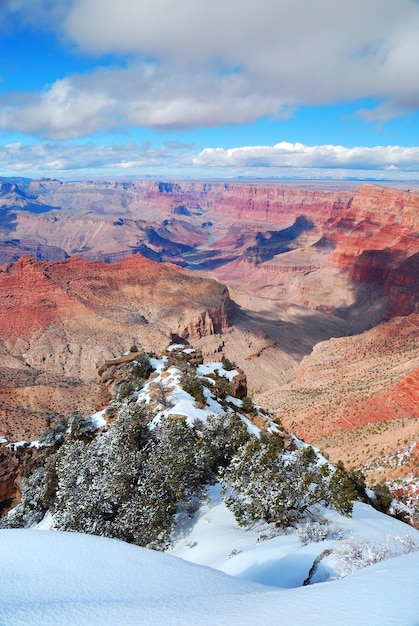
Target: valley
[(312, 290)]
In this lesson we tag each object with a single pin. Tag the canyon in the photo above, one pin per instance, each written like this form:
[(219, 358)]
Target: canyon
[(311, 289)]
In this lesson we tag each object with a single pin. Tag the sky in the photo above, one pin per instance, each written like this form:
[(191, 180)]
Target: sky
[(197, 89)]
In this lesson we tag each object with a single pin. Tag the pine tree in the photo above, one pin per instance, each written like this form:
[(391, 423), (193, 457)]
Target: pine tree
[(264, 483), (220, 438)]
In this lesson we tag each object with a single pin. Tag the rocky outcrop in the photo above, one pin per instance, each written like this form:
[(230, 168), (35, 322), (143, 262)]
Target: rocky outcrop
[(59, 321), (376, 241), (36, 295), (357, 398), (304, 265), (235, 230), (238, 385), (15, 462)]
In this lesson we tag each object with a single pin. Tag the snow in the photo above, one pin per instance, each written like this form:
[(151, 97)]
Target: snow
[(50, 578), (182, 403), (98, 420), (211, 368), (175, 346), (3, 439), (158, 364), (213, 538), (216, 573)]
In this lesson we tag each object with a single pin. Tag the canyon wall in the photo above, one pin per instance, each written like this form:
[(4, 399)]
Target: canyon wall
[(59, 321), (325, 277)]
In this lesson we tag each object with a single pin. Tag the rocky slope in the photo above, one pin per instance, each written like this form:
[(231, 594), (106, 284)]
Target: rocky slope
[(60, 320), (304, 265), (313, 246), (357, 399)]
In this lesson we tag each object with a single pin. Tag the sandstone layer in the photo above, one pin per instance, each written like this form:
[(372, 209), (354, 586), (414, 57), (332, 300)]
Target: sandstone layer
[(59, 321), (304, 265), (357, 399)]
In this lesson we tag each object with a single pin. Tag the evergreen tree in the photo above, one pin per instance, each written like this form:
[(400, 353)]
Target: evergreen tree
[(220, 438), (264, 483)]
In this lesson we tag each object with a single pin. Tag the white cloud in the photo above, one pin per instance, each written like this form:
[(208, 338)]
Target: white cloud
[(45, 14), (284, 160), (64, 111), (140, 95), (314, 51), (60, 159), (221, 62), (297, 155)]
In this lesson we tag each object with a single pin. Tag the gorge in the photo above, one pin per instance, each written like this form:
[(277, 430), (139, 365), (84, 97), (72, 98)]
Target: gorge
[(311, 289)]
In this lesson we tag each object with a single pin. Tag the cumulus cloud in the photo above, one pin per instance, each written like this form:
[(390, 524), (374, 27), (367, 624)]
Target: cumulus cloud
[(223, 61), (297, 155), (142, 94), (45, 14), (178, 160), (314, 51)]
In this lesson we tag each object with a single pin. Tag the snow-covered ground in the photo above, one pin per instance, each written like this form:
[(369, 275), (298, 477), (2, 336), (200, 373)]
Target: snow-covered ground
[(67, 579), (225, 574), (213, 538)]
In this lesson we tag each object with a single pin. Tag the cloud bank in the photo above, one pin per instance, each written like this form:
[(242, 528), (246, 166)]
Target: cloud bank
[(179, 160), (292, 155), (193, 62)]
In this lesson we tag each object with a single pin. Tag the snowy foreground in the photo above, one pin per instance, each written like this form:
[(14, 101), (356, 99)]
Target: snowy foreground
[(216, 573), (54, 578), (67, 578)]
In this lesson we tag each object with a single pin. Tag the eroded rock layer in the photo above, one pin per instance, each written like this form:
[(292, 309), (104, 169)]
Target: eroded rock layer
[(357, 398), (61, 320), (304, 265)]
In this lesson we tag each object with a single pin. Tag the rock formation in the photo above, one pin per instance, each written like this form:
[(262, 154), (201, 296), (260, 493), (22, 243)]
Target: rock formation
[(304, 265), (59, 321), (357, 399)]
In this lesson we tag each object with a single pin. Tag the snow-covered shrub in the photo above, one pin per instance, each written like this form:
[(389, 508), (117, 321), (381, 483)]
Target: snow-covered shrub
[(247, 405), (220, 438), (227, 364), (95, 480), (193, 385), (81, 428), (312, 531), (264, 483), (130, 481), (52, 436), (221, 386), (359, 552), (142, 368), (382, 499), (36, 493)]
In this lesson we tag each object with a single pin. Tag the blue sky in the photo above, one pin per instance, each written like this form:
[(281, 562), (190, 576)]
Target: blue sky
[(199, 89)]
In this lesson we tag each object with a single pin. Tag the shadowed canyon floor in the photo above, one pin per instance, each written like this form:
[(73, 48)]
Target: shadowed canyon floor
[(321, 308)]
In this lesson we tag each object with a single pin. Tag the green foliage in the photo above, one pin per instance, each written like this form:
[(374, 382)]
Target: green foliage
[(247, 405), (357, 480), (125, 390), (81, 428), (52, 437), (193, 385), (263, 483), (222, 387), (142, 367), (130, 481), (220, 439), (382, 499), (342, 492), (38, 491), (227, 364)]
